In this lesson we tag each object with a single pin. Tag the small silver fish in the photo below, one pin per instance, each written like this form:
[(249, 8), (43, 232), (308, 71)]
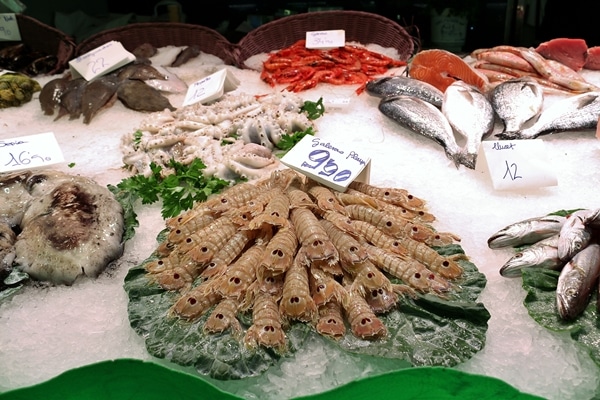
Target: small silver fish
[(527, 231), (425, 119), (576, 280), (471, 115), (395, 85), (543, 254), (573, 113), (575, 233), (517, 101)]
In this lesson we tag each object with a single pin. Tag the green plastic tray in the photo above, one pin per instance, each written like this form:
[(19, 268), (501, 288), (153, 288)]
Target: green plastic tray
[(135, 379)]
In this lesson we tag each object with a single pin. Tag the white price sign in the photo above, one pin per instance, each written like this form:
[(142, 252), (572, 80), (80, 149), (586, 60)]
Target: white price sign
[(9, 28), (331, 164), (29, 152), (325, 39), (211, 87), (516, 164), (100, 61)]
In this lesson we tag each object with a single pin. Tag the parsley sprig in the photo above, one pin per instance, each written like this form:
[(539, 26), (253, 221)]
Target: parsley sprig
[(179, 190)]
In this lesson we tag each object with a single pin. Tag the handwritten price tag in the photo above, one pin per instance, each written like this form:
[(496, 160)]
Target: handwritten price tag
[(211, 88), (325, 39), (516, 164), (29, 152), (331, 164), (100, 61), (9, 28)]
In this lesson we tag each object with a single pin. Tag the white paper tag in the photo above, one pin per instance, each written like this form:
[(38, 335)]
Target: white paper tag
[(325, 39), (516, 164), (211, 87), (9, 28), (100, 61), (31, 151), (333, 165)]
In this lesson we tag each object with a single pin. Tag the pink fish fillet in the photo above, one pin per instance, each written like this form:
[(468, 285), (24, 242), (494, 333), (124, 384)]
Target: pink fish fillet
[(570, 52), (593, 59)]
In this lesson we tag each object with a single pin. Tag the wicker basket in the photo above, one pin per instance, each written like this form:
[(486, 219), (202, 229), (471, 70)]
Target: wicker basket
[(359, 26), (45, 39), (161, 34)]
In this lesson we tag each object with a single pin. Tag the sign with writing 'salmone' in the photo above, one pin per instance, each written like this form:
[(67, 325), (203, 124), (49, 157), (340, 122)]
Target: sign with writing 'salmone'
[(328, 163), (516, 164)]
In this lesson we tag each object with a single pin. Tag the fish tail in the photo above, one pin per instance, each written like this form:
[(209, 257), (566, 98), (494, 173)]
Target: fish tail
[(506, 135)]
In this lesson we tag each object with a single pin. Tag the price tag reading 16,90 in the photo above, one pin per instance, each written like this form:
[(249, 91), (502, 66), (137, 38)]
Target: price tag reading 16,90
[(331, 164), (29, 152)]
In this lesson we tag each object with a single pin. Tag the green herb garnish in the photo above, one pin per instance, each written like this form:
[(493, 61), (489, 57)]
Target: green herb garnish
[(313, 109), (71, 165), (178, 190), (137, 138), (288, 141)]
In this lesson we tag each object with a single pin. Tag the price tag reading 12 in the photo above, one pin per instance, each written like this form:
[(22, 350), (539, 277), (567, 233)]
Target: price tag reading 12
[(331, 164), (516, 164), (29, 152)]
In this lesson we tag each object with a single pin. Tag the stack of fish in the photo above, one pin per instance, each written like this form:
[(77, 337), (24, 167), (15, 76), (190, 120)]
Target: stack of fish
[(566, 243), (466, 112)]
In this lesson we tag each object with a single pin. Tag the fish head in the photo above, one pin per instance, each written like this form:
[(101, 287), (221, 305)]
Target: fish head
[(569, 302)]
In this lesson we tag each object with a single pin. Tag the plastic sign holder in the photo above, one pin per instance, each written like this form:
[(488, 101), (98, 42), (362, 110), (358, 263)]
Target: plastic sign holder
[(31, 151), (100, 61), (211, 87)]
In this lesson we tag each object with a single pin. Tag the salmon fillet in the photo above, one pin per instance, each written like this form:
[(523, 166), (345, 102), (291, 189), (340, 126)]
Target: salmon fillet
[(441, 68)]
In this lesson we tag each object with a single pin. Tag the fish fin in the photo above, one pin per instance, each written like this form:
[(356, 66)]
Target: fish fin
[(509, 135)]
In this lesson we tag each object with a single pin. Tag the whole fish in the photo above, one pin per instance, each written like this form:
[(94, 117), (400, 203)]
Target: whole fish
[(517, 101), (542, 254), (527, 231), (470, 114), (425, 119), (98, 94), (138, 96), (51, 93), (573, 113), (395, 85), (576, 281), (575, 233)]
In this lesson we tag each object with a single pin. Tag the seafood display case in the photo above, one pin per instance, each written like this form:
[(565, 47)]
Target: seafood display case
[(448, 324)]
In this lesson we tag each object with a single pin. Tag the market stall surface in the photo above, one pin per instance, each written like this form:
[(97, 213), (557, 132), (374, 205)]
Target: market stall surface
[(47, 330)]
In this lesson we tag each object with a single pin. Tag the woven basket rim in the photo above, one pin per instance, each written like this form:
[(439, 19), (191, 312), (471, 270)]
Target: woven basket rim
[(257, 35)]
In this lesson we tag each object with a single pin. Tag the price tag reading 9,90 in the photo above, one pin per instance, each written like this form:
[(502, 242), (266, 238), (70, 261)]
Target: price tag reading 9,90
[(516, 164), (328, 163), (29, 152)]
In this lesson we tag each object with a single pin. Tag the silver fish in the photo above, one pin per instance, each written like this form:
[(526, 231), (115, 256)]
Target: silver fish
[(517, 101), (576, 280), (575, 233), (527, 231), (543, 254), (573, 113), (425, 119), (471, 115), (395, 85)]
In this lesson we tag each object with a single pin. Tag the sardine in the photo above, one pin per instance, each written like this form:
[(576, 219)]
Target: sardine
[(527, 231), (542, 254), (396, 85), (471, 115), (576, 233), (425, 119), (576, 281), (517, 101), (573, 113)]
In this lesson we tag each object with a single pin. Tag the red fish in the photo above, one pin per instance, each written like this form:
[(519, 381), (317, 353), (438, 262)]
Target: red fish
[(441, 68)]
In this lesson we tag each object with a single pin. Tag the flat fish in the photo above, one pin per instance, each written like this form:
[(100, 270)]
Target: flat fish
[(51, 94), (517, 101), (98, 94), (70, 101), (396, 85), (140, 71), (441, 68), (138, 96), (471, 115), (543, 254), (423, 118), (576, 280), (527, 231), (185, 55), (579, 112)]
